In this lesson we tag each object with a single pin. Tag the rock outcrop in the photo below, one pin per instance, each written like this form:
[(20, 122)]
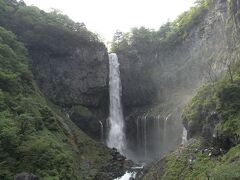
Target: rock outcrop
[(78, 77), (76, 80), (158, 84), (69, 63)]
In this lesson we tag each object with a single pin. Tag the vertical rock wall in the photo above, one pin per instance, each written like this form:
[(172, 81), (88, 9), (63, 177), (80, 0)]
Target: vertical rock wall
[(156, 86)]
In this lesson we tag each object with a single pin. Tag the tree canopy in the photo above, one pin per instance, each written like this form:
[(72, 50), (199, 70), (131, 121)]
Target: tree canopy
[(171, 33)]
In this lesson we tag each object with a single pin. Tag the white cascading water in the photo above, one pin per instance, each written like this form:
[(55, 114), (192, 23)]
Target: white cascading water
[(184, 136), (127, 176), (145, 135), (116, 136), (102, 135), (165, 140)]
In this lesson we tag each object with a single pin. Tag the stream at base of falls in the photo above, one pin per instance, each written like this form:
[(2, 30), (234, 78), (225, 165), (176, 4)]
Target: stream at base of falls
[(131, 173), (127, 176)]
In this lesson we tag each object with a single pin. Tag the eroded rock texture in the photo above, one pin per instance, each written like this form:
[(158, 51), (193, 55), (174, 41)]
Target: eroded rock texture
[(157, 84)]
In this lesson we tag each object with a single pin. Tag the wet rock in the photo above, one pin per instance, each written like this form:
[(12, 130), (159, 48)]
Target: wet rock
[(128, 164), (115, 167), (117, 156)]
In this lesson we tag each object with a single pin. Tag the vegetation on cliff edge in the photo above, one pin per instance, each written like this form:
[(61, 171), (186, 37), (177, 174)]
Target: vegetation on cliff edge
[(34, 135), (143, 40), (212, 118)]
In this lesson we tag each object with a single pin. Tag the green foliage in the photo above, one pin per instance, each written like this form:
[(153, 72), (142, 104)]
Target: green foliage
[(35, 137), (224, 99), (8, 82), (45, 156), (230, 166), (145, 40), (177, 164), (229, 105), (33, 24), (26, 124), (48, 118), (46, 36), (120, 40), (13, 68), (215, 107), (9, 141)]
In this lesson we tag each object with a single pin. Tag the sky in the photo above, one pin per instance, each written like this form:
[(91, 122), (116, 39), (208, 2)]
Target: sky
[(104, 17)]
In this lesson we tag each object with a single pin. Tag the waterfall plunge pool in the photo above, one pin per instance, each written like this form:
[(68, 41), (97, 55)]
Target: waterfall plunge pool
[(132, 173), (127, 176)]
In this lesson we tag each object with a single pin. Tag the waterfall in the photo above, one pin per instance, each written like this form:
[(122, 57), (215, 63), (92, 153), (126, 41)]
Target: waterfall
[(145, 135), (102, 135), (116, 136), (67, 115), (127, 176), (158, 126), (138, 135), (184, 135), (165, 129)]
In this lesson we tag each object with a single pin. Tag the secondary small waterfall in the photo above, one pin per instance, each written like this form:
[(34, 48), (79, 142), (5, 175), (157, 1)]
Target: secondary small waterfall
[(145, 135), (102, 133), (165, 140), (116, 135), (184, 136)]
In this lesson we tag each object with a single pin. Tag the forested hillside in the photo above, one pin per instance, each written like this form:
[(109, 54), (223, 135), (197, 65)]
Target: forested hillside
[(69, 63), (37, 136), (54, 96)]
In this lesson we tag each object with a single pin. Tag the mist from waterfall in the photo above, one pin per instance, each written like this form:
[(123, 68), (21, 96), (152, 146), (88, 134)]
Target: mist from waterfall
[(154, 135), (151, 139), (116, 135)]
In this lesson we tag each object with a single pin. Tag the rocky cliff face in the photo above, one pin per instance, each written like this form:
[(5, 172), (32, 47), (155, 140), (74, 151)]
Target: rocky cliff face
[(77, 81), (69, 63), (165, 79), (212, 120), (137, 87), (74, 75), (78, 77), (36, 136)]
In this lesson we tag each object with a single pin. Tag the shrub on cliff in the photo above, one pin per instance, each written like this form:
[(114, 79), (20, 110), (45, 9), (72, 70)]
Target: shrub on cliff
[(216, 108)]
